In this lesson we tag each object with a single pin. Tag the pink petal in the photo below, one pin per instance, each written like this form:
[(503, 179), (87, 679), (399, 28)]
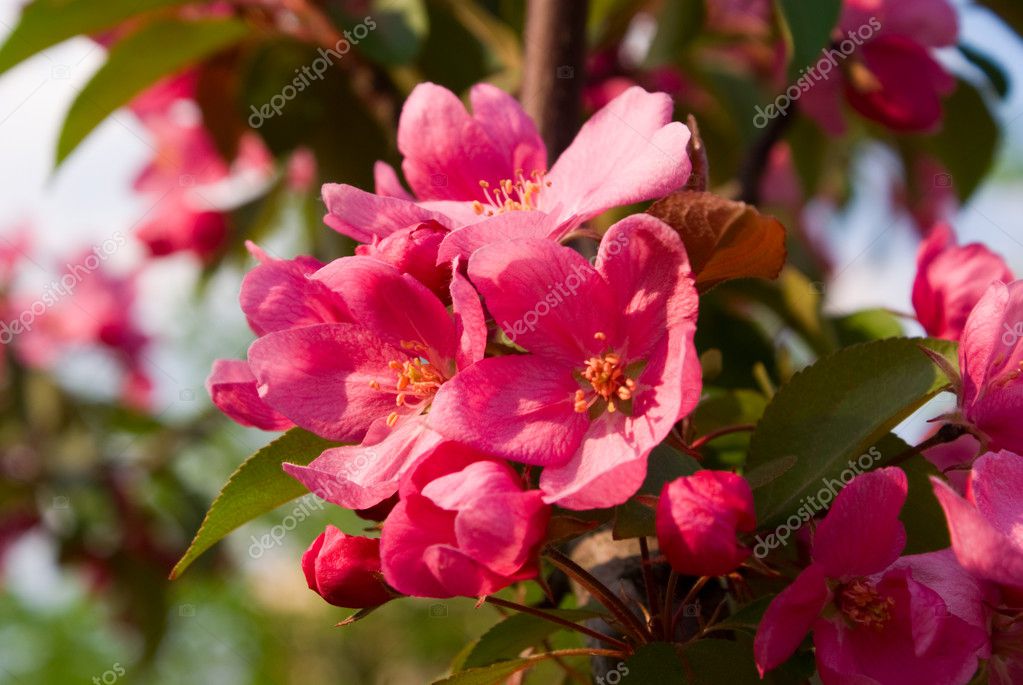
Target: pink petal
[(518, 407), (232, 387), (502, 531), (981, 548), (361, 476), (386, 183), (470, 321), (546, 298), (413, 251), (320, 376), (363, 216), (393, 306), (509, 127), (606, 470), (862, 534), (448, 152), (628, 152), (521, 225), (996, 489), (789, 618), (279, 294), (645, 263)]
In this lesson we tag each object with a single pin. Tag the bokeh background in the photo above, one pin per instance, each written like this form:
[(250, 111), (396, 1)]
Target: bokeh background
[(100, 496)]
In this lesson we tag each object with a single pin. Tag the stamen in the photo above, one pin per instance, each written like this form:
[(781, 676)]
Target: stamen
[(608, 381), (516, 194), (863, 605)]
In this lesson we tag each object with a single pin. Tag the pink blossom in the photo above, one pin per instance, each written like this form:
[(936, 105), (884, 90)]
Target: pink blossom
[(611, 364), (987, 537), (345, 570), (175, 225), (465, 168), (875, 618), (464, 527), (951, 279), (414, 251), (987, 526), (96, 309), (277, 295), (698, 517), (991, 362), (369, 375), (891, 76)]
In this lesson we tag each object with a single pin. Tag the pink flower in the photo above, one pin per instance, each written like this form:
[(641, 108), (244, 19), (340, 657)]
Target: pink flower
[(345, 570), (176, 225), (987, 526), (464, 527), (368, 376), (887, 72), (95, 309), (991, 362), (987, 538), (950, 280), (873, 618), (414, 251), (698, 517), (276, 295), (470, 168), (611, 364)]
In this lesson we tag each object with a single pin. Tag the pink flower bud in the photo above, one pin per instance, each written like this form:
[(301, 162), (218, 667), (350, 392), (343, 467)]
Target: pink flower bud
[(345, 570), (698, 517)]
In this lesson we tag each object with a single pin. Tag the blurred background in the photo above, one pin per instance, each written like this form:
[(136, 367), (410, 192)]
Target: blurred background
[(110, 450)]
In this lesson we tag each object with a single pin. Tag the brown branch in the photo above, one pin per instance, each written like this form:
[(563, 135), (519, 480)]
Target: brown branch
[(554, 71), (571, 625)]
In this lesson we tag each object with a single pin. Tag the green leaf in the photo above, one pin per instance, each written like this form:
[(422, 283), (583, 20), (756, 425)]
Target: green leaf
[(836, 410), (494, 674), (510, 637), (994, 72), (657, 662), (867, 325), (158, 49), (396, 29), (257, 486), (709, 662), (746, 618), (922, 515), (807, 27), (45, 23), (968, 140)]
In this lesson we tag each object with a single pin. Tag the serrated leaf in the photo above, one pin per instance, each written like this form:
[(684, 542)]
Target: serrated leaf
[(494, 674), (724, 239), (807, 26), (836, 410), (45, 23), (158, 49), (518, 632), (256, 487), (867, 325)]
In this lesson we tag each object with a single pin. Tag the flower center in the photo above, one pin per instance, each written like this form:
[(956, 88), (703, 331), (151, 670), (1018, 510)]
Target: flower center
[(511, 195), (604, 378), (861, 604), (416, 380)]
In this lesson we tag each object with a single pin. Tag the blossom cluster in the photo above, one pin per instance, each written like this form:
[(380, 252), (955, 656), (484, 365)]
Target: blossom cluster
[(483, 377)]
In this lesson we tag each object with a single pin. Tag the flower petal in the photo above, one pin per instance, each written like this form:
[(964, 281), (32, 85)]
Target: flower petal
[(279, 294), (546, 298), (386, 183), (518, 407), (232, 387), (862, 534), (470, 321), (522, 225), (363, 216), (627, 152), (789, 618), (320, 376)]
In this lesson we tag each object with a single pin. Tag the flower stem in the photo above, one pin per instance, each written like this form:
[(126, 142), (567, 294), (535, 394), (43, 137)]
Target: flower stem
[(693, 591), (540, 613), (651, 587), (627, 620), (950, 432), (727, 430)]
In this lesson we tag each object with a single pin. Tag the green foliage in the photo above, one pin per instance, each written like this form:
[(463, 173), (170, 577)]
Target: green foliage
[(836, 410), (399, 29), (807, 28), (158, 49), (259, 485), (509, 638), (45, 23), (968, 140)]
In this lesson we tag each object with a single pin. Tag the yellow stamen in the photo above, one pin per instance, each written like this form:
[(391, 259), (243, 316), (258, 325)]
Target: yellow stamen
[(861, 603)]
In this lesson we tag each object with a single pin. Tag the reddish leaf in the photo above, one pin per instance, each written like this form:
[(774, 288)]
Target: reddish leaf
[(724, 239)]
